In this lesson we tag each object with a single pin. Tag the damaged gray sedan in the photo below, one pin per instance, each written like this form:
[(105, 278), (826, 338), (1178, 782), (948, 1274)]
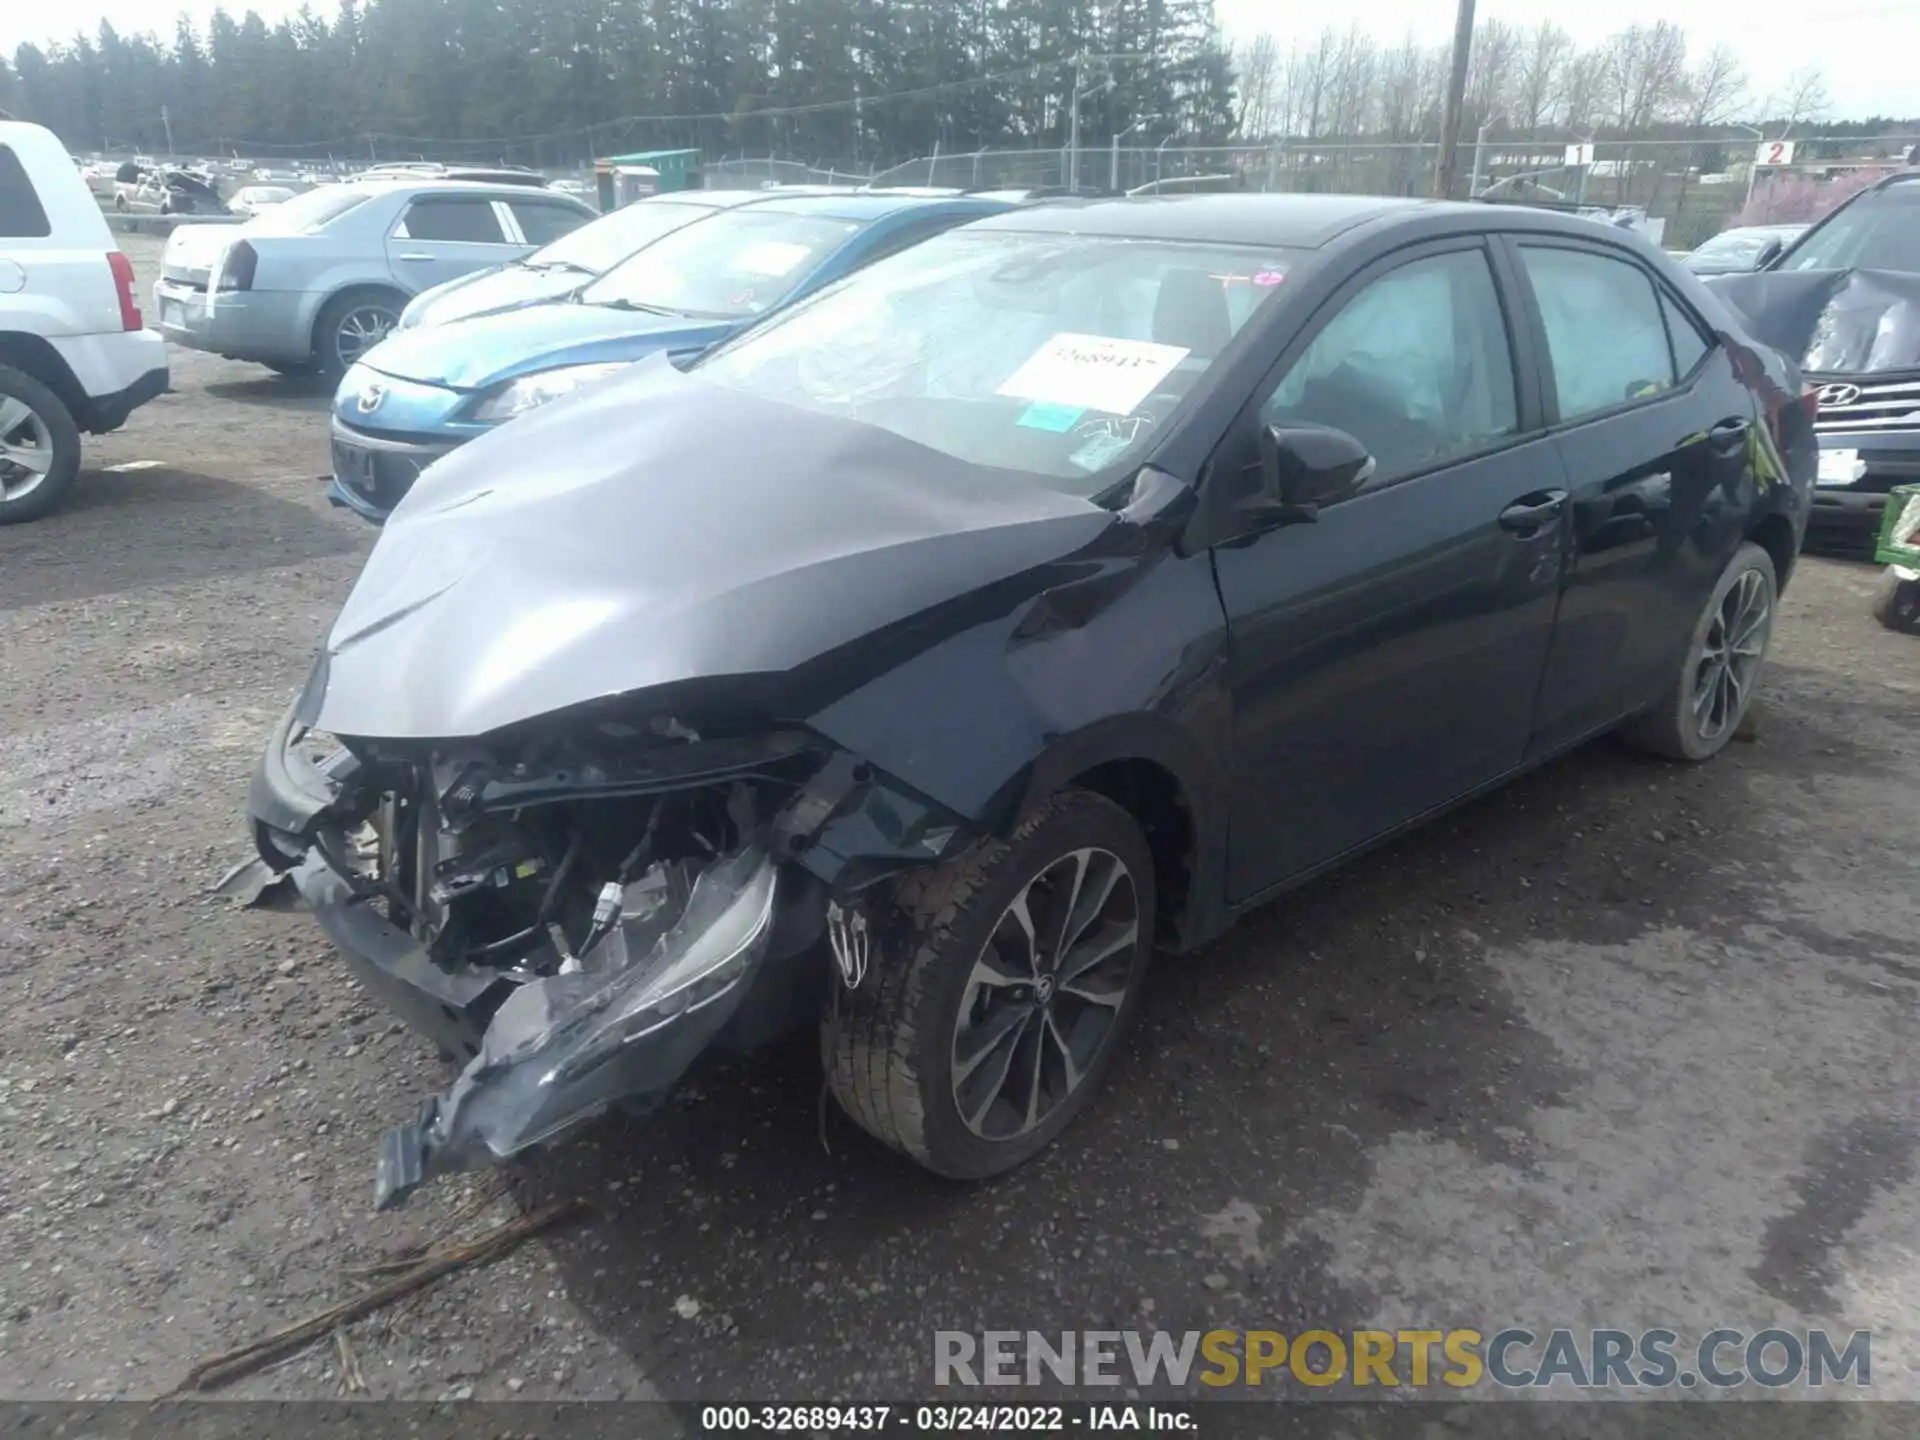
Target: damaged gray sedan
[(916, 662)]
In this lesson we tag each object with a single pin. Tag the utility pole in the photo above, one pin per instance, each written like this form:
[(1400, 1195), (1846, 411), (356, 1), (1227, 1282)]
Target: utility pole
[(1450, 110), (167, 125), (1073, 126)]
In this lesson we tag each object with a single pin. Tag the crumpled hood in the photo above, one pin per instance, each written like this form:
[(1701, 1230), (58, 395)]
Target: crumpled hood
[(492, 292), (489, 349), (1834, 322), (654, 528)]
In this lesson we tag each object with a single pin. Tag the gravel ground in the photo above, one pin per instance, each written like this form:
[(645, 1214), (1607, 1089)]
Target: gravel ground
[(1625, 1044)]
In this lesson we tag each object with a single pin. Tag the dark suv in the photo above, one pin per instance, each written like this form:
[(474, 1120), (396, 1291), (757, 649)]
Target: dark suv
[(1845, 298)]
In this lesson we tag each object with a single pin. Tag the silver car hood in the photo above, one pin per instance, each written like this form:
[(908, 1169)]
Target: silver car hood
[(653, 528)]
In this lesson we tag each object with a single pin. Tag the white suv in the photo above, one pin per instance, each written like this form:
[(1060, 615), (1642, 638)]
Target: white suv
[(74, 354)]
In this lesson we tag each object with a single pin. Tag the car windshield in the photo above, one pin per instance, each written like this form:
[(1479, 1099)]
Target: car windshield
[(304, 214), (599, 245), (1734, 248), (1879, 231), (1047, 353), (739, 262)]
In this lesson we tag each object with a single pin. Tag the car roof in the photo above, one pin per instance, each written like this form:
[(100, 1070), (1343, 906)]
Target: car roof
[(1297, 222), (875, 204), (427, 185)]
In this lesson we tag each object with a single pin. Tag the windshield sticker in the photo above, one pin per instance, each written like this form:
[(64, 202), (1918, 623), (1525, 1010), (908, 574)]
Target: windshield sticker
[(1100, 451), (1094, 372), (770, 257), (1057, 418)]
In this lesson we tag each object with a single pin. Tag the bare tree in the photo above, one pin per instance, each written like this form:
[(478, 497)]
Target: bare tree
[(1490, 70), (1803, 97), (1580, 91), (1715, 89), (1257, 63), (1539, 71), (1643, 74)]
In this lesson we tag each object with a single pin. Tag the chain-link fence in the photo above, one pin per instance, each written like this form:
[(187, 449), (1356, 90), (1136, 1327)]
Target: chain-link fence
[(747, 173), (1688, 188)]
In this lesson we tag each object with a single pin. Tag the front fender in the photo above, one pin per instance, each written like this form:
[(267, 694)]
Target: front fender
[(1123, 661)]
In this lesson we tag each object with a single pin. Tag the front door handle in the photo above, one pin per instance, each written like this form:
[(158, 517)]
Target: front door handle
[(1729, 437), (1531, 513)]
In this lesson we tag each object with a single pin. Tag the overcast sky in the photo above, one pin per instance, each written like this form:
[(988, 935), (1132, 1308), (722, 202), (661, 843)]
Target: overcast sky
[(1869, 50)]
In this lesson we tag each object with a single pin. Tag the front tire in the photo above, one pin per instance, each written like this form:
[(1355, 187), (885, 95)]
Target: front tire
[(39, 448), (1009, 975), (1706, 701)]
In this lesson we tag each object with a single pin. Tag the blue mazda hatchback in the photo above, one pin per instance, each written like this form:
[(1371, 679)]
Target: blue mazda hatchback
[(422, 392)]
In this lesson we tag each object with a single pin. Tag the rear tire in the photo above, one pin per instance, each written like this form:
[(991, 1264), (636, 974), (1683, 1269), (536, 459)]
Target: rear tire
[(1709, 695), (39, 448), (351, 324), (959, 1050)]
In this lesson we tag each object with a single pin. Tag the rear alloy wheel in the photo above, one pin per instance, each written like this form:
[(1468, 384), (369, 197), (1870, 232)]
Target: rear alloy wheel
[(350, 326), (39, 448), (1018, 966), (1709, 697)]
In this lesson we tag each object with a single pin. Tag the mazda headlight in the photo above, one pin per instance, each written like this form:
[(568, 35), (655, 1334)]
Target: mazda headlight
[(530, 392)]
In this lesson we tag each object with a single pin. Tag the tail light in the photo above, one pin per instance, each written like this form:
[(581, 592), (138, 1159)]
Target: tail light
[(236, 269), (122, 269)]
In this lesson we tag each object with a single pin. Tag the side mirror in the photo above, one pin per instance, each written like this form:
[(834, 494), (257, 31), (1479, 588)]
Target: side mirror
[(1303, 467), (1769, 253)]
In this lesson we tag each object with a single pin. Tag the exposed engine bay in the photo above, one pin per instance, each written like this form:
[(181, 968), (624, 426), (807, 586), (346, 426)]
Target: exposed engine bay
[(579, 917)]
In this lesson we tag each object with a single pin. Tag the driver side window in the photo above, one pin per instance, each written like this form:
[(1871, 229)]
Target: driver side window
[(1415, 367)]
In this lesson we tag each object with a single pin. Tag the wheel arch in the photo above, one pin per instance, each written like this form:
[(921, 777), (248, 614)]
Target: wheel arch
[(1152, 770), (351, 288), (33, 355), (1773, 533)]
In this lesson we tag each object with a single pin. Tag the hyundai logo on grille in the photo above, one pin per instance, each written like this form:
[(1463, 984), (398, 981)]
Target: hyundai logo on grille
[(371, 397), (1831, 397)]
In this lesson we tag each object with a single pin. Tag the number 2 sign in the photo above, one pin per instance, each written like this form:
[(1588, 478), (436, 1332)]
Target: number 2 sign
[(1774, 152)]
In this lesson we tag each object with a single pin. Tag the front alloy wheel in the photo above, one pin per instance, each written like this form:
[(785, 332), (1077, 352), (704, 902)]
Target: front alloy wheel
[(1045, 995), (1004, 980)]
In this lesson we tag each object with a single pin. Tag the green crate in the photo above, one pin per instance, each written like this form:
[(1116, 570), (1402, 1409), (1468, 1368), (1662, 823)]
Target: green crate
[(1900, 528)]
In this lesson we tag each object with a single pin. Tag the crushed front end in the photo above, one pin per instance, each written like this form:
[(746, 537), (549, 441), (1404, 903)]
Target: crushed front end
[(577, 912)]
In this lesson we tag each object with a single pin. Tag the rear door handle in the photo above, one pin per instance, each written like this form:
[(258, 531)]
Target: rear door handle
[(414, 255), (1530, 513), (1728, 437)]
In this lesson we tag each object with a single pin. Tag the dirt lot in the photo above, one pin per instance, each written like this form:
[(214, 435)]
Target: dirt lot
[(1624, 1045)]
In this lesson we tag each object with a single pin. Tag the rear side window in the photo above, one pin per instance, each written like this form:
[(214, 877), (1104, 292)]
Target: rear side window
[(1605, 335), (446, 218), (542, 224), (21, 214), (1690, 347)]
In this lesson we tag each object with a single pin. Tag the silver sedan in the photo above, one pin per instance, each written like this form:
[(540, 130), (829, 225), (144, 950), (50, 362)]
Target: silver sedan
[(317, 281)]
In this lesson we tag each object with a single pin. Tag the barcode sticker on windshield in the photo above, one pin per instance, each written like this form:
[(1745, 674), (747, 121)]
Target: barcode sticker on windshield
[(1093, 372)]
